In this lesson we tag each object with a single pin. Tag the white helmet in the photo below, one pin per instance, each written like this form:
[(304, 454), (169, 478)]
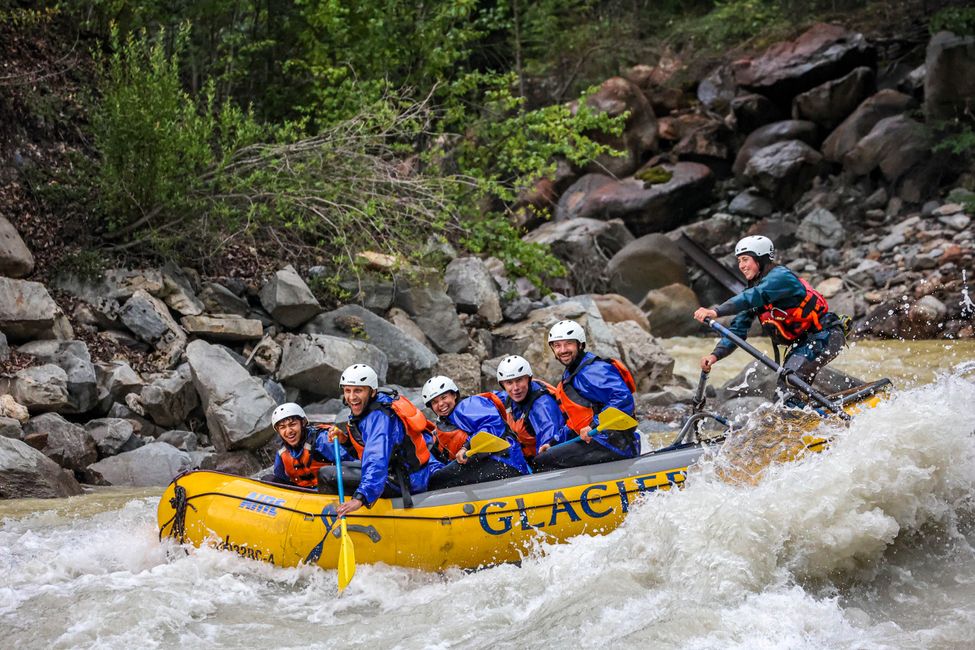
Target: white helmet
[(437, 386), (757, 245), (359, 375), (567, 330), (512, 367), (285, 411)]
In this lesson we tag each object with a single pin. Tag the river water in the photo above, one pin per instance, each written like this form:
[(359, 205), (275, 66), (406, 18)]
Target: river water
[(867, 545)]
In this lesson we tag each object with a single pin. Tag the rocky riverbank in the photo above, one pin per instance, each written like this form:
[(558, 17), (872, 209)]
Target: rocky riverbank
[(131, 377)]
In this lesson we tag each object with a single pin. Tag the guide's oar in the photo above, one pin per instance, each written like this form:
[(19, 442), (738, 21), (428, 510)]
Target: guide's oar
[(487, 443), (790, 377), (610, 419), (700, 394), (346, 564)]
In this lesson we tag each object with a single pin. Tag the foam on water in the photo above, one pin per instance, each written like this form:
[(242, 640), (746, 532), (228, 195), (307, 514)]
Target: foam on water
[(865, 545)]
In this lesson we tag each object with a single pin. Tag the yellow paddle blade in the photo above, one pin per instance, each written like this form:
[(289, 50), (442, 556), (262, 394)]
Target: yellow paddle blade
[(346, 558), (613, 419), (486, 443)]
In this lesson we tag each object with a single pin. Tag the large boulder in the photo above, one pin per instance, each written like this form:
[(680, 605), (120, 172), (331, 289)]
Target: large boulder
[(315, 362), (464, 369), (614, 97), (615, 308), (113, 436), (152, 465), (218, 299), (409, 360), (16, 260), (74, 359), (236, 405), (643, 205), (584, 246), (177, 292), (169, 398), (752, 111), (26, 473), (650, 262), (783, 131), (28, 312), (288, 299), (223, 328), (830, 103), (425, 299), (821, 227), (669, 311), (472, 288), (149, 319), (821, 53), (66, 443), (949, 82), (885, 103), (10, 428), (651, 366), (115, 380), (39, 388), (784, 171), (894, 144)]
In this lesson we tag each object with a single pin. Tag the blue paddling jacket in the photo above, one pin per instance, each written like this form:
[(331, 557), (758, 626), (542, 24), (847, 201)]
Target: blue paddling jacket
[(590, 385), (478, 413), (540, 414)]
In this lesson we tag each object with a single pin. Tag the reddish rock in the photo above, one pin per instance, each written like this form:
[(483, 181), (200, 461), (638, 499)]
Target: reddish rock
[(885, 103), (615, 97)]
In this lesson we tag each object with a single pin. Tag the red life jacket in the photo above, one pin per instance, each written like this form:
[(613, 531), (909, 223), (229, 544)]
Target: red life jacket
[(413, 450), (522, 426), (787, 325), (303, 470), (579, 410), (450, 439)]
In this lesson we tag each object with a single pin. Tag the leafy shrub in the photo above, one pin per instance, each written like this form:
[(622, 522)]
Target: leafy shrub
[(960, 20)]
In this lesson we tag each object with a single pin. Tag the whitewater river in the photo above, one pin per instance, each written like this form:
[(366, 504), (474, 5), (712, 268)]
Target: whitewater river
[(867, 545)]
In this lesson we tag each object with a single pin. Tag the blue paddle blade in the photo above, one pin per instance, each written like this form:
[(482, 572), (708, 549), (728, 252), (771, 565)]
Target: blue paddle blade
[(328, 518)]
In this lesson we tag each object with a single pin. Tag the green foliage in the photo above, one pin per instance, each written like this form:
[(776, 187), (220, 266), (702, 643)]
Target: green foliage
[(654, 175), (730, 22), (960, 140), (88, 265), (959, 20)]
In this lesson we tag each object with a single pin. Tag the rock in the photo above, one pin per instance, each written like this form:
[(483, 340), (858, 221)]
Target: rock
[(646, 359), (115, 380), (711, 232), (66, 443), (821, 227), (184, 440), (149, 319), (28, 312), (375, 294), (821, 53), (885, 103), (614, 308), (16, 260), (471, 287), (830, 287), (780, 231), (895, 144), (614, 97), (669, 311), (114, 284), (708, 143), (949, 82), (223, 328), (74, 359), (752, 111), (152, 465), (783, 131), (643, 207), (784, 170), (266, 355), (717, 90), (113, 436), (314, 362), (178, 292), (883, 320), (464, 369), (10, 428), (238, 463), (830, 103), (27, 473), (957, 222), (140, 424), (410, 362), (217, 299), (584, 246), (169, 398), (288, 299), (236, 405), (11, 408), (405, 324), (751, 204), (425, 299), (925, 318), (39, 388), (4, 348), (650, 262)]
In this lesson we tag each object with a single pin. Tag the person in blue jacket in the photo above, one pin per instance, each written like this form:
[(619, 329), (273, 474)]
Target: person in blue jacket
[(589, 385), (532, 406), (791, 312), (458, 420), (387, 433), (304, 448)]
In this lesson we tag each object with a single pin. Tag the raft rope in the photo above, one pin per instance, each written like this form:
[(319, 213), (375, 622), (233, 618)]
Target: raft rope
[(178, 503)]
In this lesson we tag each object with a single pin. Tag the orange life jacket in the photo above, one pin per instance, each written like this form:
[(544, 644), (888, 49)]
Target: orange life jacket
[(787, 325), (303, 470), (450, 439), (413, 450), (579, 410), (522, 426)]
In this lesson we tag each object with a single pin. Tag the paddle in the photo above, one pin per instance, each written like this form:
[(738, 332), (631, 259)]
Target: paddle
[(487, 443), (700, 396), (346, 564), (610, 418), (790, 378)]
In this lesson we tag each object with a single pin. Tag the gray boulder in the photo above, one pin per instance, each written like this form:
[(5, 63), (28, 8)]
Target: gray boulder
[(409, 361), (405, 324), (584, 246), (149, 319), (177, 292), (39, 388), (16, 260), (169, 398), (649, 363), (425, 299), (26, 473), (647, 263), (949, 83), (218, 299), (314, 362), (885, 103), (223, 328), (115, 380), (464, 369), (236, 405), (472, 288), (784, 171), (751, 204), (113, 436), (66, 443), (74, 359), (752, 111), (669, 311), (10, 428), (783, 131), (152, 465), (184, 440), (288, 299), (830, 103), (28, 312), (4, 347), (821, 227), (894, 144)]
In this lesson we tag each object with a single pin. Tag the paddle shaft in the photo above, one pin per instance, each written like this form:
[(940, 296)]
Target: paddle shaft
[(790, 378), (702, 383), (346, 552)]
